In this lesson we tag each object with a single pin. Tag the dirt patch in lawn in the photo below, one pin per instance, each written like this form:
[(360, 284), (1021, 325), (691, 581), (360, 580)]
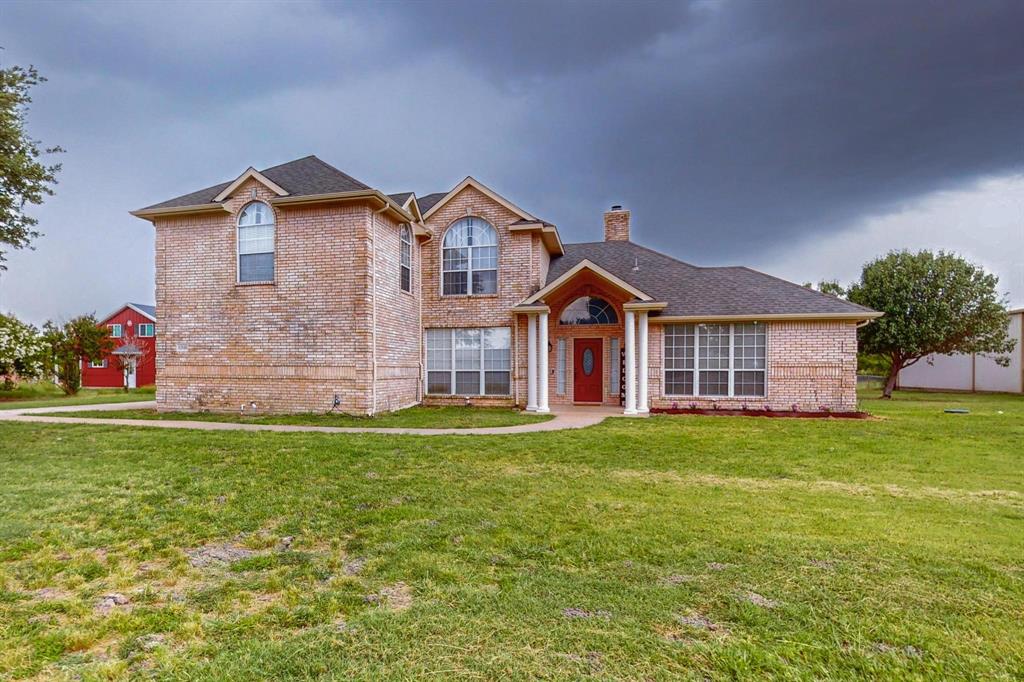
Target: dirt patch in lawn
[(574, 612), (215, 555), (396, 597)]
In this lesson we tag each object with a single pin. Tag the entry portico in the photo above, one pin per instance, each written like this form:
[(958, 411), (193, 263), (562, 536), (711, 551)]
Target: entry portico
[(599, 325)]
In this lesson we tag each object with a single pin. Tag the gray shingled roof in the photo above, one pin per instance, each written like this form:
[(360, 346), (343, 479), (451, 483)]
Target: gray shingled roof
[(691, 290), (401, 197), (148, 309), (427, 202), (301, 177)]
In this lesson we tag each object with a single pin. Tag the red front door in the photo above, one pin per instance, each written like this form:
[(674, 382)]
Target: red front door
[(587, 366)]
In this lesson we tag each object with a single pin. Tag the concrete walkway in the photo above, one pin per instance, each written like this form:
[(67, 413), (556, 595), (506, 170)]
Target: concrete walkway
[(565, 418)]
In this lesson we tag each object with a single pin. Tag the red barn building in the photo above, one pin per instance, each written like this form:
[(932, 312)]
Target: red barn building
[(133, 328)]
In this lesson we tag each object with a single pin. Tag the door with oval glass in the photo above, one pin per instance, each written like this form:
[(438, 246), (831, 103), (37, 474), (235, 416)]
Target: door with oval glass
[(587, 370)]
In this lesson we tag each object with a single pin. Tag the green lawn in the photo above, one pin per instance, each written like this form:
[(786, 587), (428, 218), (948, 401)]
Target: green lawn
[(667, 548), (45, 394), (412, 417)]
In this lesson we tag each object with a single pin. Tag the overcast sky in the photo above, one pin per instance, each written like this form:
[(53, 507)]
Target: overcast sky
[(800, 138)]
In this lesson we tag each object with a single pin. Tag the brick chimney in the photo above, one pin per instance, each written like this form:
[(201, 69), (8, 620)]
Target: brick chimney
[(616, 225)]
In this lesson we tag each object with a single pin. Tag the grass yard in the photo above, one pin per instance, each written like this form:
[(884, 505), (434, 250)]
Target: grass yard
[(667, 548), (453, 417), (45, 394)]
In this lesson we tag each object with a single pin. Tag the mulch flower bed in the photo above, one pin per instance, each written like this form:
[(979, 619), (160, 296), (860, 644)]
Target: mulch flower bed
[(792, 414)]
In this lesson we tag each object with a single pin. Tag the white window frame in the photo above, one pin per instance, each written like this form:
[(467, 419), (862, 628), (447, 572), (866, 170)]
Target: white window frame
[(102, 364), (405, 253), (453, 369), (696, 362), (469, 268), (561, 362), (118, 328), (146, 325), (238, 244)]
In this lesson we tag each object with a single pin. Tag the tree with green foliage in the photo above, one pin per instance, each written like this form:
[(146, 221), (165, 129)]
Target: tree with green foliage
[(21, 351), (933, 303), (24, 179), (72, 343)]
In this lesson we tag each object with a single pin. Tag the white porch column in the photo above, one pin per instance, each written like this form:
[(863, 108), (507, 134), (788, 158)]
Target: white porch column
[(542, 374), (642, 389), (630, 377), (531, 362)]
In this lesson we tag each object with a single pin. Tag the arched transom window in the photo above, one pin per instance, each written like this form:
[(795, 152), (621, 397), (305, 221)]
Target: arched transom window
[(470, 258), (588, 310), (256, 243), (405, 258)]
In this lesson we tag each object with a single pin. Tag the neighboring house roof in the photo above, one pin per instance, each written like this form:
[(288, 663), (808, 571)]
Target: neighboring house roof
[(302, 177), (141, 308), (427, 202), (147, 310), (701, 292)]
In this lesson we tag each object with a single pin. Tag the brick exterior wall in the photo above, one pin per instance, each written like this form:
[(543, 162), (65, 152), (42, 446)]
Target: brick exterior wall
[(520, 264), (810, 364), (289, 346)]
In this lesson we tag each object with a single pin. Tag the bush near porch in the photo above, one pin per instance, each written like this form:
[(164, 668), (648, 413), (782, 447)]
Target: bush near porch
[(665, 548)]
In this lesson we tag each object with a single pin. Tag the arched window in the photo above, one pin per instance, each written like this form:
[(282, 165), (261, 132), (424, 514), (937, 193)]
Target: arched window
[(256, 243), (405, 258), (588, 310), (470, 258)]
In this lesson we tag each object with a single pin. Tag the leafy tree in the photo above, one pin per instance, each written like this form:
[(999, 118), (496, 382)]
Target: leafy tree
[(831, 287), (933, 303), (21, 351), (24, 179), (72, 343)]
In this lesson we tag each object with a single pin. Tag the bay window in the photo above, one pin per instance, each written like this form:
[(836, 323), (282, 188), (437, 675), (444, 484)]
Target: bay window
[(715, 360), (469, 361)]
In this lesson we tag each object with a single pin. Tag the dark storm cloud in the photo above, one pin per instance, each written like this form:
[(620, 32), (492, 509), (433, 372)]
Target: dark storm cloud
[(730, 129)]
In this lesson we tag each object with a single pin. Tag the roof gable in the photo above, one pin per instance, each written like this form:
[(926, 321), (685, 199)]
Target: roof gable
[(251, 173), (483, 189), (301, 177)]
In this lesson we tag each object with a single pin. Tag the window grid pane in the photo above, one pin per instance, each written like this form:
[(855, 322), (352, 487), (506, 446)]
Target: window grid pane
[(470, 258), (469, 361), (718, 360)]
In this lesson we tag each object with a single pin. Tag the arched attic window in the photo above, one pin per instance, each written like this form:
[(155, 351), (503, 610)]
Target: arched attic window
[(588, 310), (470, 258), (256, 243)]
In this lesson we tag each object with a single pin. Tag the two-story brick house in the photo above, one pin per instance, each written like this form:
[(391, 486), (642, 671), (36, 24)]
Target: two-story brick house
[(299, 288)]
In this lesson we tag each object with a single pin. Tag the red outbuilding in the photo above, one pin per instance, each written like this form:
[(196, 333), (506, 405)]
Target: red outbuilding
[(132, 363)]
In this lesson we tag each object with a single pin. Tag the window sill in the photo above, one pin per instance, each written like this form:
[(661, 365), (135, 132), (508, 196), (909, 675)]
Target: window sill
[(407, 293), (713, 397), (443, 296), (268, 283), (467, 396)]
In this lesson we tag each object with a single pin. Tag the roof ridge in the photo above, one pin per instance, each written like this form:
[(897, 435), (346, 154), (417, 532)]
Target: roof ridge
[(270, 168), (830, 297), (335, 169)]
